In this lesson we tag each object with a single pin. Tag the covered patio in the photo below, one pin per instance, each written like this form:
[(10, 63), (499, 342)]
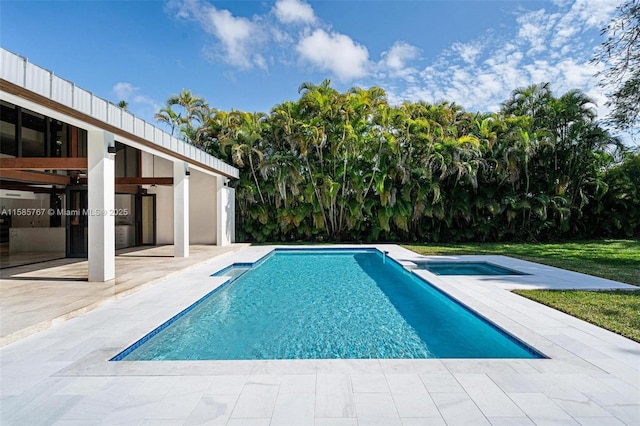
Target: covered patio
[(34, 297)]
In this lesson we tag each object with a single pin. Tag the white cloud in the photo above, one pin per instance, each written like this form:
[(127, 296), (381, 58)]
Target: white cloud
[(583, 15), (481, 86), (125, 91), (399, 54), (541, 70), (294, 12), (239, 38), (469, 52), (575, 74), (594, 13), (336, 53), (535, 29), (545, 46)]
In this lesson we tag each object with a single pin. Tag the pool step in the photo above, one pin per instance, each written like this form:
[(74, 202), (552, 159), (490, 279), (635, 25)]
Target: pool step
[(234, 271)]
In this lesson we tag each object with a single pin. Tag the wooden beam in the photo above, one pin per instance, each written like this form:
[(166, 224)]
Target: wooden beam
[(35, 177), (144, 181), (128, 189), (43, 163)]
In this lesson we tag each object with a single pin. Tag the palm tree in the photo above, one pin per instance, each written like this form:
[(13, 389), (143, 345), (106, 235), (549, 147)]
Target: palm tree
[(245, 142), (193, 115), (532, 101), (169, 117), (346, 165)]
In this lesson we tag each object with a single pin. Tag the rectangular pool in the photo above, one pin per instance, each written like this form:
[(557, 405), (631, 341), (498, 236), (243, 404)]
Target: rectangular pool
[(325, 304)]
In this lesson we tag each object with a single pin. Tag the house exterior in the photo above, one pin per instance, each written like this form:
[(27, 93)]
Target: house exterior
[(82, 176)]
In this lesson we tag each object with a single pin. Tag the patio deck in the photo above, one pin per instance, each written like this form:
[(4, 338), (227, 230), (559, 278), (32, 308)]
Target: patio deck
[(62, 375), (35, 296)]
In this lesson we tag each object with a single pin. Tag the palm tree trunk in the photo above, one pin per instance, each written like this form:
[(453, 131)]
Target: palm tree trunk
[(255, 178)]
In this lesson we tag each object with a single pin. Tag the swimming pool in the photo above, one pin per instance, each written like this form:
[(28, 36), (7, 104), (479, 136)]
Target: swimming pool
[(326, 304), (466, 268)]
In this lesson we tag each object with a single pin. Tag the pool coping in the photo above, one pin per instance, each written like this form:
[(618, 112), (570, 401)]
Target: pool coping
[(585, 367)]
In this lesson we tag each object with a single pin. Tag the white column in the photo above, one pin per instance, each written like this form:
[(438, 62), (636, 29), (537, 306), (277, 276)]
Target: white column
[(226, 213), (180, 209), (231, 213), (101, 200)]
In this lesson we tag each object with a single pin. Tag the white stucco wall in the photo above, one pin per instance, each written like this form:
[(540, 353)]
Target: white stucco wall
[(205, 193), (226, 223), (202, 208)]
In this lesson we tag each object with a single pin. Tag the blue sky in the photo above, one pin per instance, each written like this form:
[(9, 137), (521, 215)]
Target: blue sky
[(251, 55)]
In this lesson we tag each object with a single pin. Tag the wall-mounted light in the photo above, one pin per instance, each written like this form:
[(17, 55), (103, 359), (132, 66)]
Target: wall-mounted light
[(111, 149), (187, 173)]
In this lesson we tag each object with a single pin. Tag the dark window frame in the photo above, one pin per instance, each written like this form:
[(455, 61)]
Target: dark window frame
[(50, 136)]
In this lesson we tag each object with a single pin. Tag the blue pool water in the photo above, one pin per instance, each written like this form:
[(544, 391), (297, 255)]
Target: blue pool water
[(321, 304), (467, 268)]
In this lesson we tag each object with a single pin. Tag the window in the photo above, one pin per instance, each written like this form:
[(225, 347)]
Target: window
[(132, 162), (82, 143), (8, 120), (58, 139), (33, 134), (25, 133), (126, 160)]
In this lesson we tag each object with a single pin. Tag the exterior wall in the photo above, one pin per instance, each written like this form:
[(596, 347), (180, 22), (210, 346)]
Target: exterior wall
[(202, 208), (202, 202), (164, 196), (226, 222)]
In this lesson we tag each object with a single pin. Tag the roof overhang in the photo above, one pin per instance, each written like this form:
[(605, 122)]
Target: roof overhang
[(39, 90)]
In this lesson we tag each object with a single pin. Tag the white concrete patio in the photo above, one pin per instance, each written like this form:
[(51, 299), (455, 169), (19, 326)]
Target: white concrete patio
[(62, 375)]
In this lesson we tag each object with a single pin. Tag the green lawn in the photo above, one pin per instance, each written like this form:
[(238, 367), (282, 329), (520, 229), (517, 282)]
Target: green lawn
[(618, 311)]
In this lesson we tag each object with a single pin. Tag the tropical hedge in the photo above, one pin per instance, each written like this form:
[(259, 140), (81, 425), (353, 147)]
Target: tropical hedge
[(349, 166)]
